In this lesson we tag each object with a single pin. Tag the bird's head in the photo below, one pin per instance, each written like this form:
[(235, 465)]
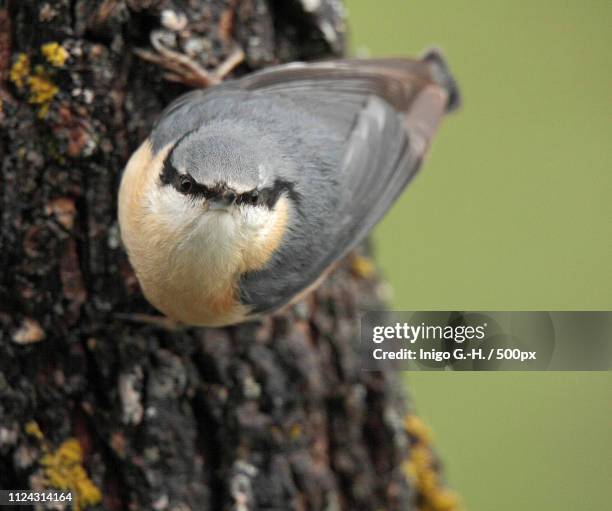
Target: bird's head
[(219, 188), (198, 213), (217, 173)]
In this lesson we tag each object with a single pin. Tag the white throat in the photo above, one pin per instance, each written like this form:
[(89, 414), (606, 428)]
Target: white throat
[(212, 246)]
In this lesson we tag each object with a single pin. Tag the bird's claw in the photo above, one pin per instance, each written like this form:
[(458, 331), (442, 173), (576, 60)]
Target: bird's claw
[(181, 68)]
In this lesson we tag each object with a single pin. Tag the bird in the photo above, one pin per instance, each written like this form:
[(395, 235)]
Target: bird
[(246, 194)]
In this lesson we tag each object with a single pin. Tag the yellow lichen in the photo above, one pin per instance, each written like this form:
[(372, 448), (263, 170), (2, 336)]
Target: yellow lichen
[(408, 468), (362, 266), (444, 500), (295, 431), (420, 455), (64, 470), (417, 428), (421, 469), (42, 90), (33, 429), (55, 54), (20, 70)]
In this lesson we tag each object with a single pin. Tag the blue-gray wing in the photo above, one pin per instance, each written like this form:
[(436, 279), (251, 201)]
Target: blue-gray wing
[(377, 118)]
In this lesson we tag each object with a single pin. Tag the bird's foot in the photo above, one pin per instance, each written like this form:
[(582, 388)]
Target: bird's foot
[(183, 69)]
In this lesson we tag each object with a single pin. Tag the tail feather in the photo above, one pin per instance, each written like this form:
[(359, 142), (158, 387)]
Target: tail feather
[(443, 76), (397, 80)]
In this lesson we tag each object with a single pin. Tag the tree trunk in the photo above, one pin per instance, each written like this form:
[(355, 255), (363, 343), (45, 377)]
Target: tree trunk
[(98, 398)]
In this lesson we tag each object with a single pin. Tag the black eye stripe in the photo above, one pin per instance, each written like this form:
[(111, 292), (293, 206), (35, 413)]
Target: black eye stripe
[(270, 195), (183, 183), (251, 198), (168, 173), (263, 196)]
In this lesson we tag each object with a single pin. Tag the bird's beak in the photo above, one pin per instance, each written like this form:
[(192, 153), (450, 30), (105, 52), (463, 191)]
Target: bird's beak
[(223, 202), (217, 205)]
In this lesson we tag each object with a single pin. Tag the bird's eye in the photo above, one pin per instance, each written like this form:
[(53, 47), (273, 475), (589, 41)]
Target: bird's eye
[(185, 184), (254, 197)]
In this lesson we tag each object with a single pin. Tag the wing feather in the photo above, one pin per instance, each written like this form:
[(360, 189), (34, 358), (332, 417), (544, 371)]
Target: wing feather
[(396, 106)]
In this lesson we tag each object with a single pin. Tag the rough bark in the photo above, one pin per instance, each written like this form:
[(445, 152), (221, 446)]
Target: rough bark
[(128, 414)]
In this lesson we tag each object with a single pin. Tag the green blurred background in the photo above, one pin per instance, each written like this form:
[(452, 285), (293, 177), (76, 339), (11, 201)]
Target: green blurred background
[(512, 211)]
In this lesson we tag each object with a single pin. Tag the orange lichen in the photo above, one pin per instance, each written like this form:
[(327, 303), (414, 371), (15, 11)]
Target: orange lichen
[(29, 332)]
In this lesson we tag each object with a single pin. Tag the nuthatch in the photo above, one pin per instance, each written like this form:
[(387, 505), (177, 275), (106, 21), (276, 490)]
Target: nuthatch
[(247, 193)]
